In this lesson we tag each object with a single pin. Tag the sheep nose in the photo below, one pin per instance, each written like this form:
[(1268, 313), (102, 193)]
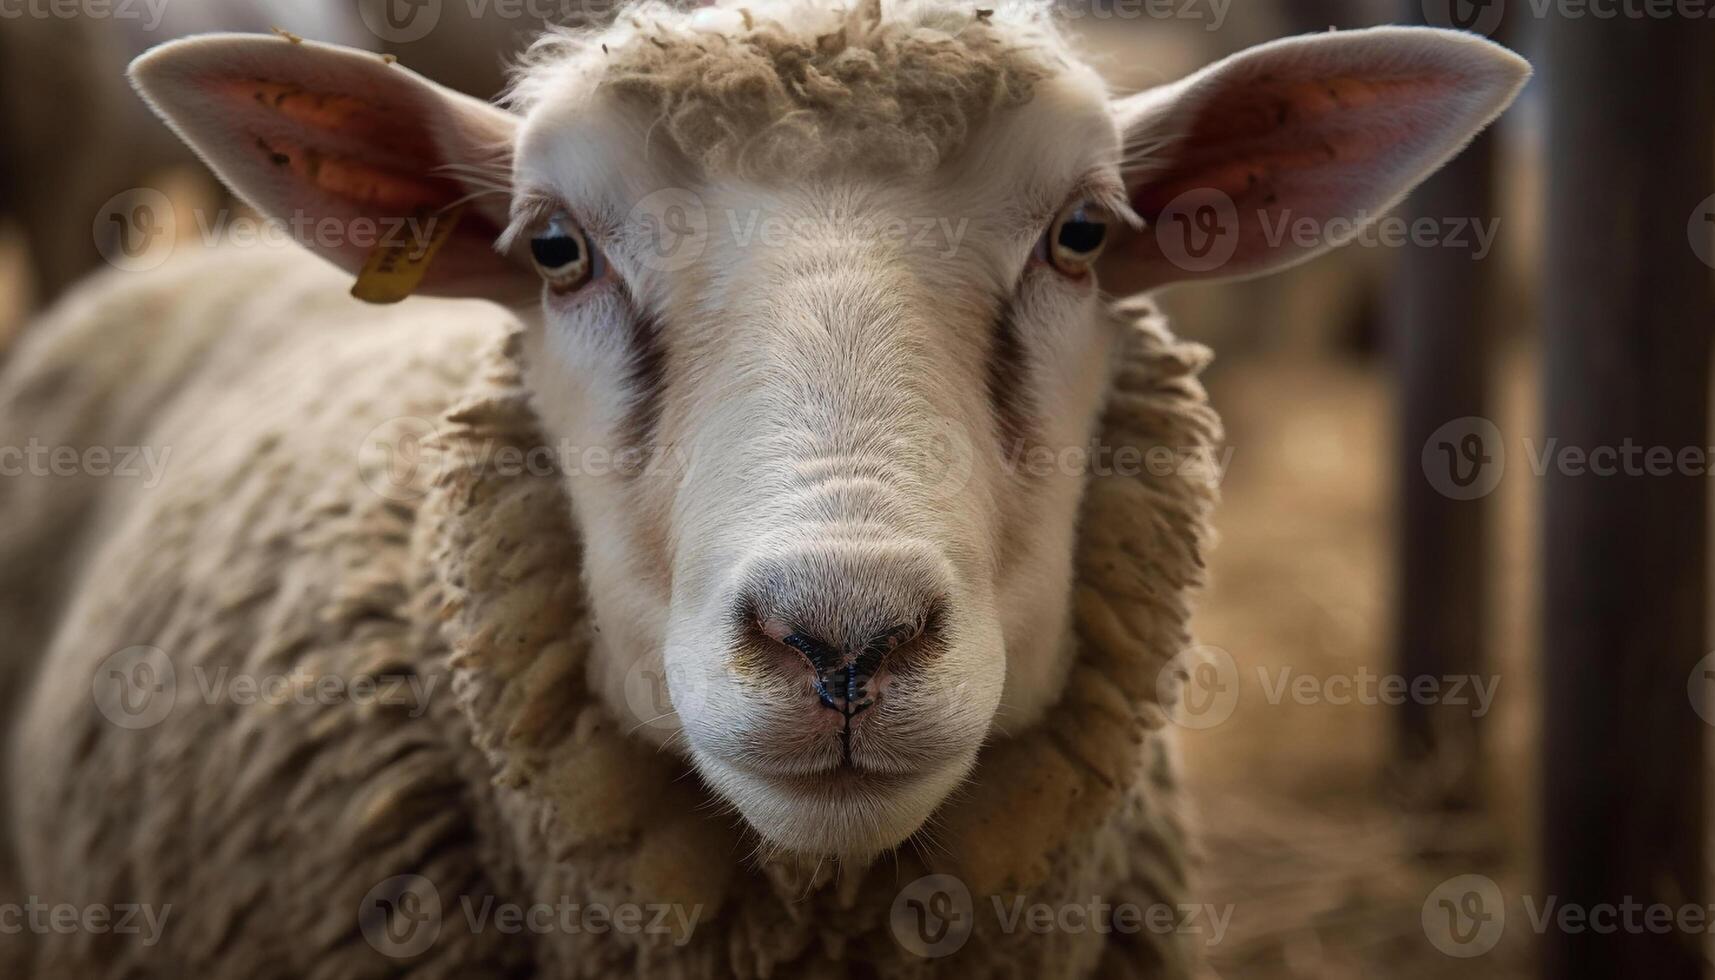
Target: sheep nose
[(843, 617), (842, 675)]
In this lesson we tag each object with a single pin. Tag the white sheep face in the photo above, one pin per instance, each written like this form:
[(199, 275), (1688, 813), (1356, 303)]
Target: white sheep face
[(826, 386), (807, 390)]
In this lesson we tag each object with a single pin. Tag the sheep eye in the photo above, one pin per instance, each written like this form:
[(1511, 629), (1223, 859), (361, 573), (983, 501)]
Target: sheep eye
[(1076, 238), (562, 254)]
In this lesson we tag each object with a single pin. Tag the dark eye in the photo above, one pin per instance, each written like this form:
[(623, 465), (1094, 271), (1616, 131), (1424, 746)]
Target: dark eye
[(1076, 238), (561, 254)]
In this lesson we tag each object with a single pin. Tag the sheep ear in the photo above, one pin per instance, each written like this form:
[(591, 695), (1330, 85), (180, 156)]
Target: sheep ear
[(1335, 128), (350, 151)]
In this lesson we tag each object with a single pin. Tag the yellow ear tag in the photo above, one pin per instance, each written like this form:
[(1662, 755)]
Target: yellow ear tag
[(397, 264)]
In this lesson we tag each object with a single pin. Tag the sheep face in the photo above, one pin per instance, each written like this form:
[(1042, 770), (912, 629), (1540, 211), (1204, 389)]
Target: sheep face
[(822, 534), (812, 312)]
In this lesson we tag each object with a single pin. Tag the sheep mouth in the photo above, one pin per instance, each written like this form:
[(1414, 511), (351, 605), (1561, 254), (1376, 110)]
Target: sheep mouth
[(840, 788), (844, 810), (846, 773)]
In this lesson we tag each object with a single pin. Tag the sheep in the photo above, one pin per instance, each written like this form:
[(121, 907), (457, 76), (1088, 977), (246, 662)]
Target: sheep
[(816, 668)]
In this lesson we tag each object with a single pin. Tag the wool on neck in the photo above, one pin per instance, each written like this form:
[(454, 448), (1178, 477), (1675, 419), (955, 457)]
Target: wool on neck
[(1081, 805)]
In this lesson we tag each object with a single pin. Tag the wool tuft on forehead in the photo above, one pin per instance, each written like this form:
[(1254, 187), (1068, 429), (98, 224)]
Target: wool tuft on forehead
[(795, 87)]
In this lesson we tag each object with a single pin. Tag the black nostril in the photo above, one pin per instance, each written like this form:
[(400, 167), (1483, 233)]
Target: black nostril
[(842, 678), (823, 657)]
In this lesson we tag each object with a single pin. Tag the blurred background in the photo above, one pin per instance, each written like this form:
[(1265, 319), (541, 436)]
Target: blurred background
[(1453, 671)]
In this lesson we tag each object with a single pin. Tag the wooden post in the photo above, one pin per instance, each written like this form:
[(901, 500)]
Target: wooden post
[(1629, 308), (1443, 333)]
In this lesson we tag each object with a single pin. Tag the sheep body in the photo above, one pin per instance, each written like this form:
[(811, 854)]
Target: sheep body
[(267, 551)]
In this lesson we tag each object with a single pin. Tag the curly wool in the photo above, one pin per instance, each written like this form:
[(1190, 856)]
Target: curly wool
[(797, 88)]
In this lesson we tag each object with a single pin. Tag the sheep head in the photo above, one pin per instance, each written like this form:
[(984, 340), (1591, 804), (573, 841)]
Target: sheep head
[(814, 308)]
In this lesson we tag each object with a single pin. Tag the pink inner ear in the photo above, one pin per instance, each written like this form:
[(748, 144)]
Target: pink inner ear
[(345, 147), (1252, 141)]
